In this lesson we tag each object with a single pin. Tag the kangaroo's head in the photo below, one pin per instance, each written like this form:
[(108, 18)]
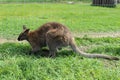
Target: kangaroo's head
[(24, 34)]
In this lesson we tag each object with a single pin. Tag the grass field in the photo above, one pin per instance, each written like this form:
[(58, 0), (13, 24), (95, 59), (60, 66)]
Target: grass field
[(16, 64)]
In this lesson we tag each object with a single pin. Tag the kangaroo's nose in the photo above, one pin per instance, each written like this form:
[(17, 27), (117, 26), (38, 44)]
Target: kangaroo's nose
[(18, 39)]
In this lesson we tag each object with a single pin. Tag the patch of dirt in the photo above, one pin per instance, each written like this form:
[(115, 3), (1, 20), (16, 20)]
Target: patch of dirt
[(2, 40), (98, 35)]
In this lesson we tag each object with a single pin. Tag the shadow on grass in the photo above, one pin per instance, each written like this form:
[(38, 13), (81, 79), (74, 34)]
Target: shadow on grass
[(17, 49)]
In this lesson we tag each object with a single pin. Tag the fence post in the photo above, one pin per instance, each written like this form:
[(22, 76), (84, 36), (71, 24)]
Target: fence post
[(107, 3), (118, 1)]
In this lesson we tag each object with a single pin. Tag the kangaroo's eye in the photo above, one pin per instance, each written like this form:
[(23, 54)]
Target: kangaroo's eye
[(23, 34)]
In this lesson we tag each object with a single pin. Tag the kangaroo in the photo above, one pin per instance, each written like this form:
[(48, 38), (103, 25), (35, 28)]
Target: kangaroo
[(55, 36)]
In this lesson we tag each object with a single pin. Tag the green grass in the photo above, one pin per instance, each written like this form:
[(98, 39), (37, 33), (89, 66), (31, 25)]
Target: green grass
[(16, 64)]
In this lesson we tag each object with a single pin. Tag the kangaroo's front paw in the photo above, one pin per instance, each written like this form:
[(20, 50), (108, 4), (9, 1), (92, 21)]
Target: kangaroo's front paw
[(30, 52)]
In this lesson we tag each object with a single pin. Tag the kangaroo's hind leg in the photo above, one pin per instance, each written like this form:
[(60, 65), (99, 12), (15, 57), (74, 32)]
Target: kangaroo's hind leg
[(52, 48), (51, 41)]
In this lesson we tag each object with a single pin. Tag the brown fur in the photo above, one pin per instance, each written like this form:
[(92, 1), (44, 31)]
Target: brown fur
[(55, 36)]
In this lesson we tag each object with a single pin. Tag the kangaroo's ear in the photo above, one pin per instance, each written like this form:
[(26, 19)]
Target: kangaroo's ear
[(27, 30), (24, 27)]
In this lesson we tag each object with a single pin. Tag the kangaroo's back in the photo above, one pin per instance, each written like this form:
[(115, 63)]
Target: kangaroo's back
[(51, 26)]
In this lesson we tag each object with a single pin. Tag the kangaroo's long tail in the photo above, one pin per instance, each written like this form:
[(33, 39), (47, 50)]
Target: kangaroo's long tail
[(77, 50)]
